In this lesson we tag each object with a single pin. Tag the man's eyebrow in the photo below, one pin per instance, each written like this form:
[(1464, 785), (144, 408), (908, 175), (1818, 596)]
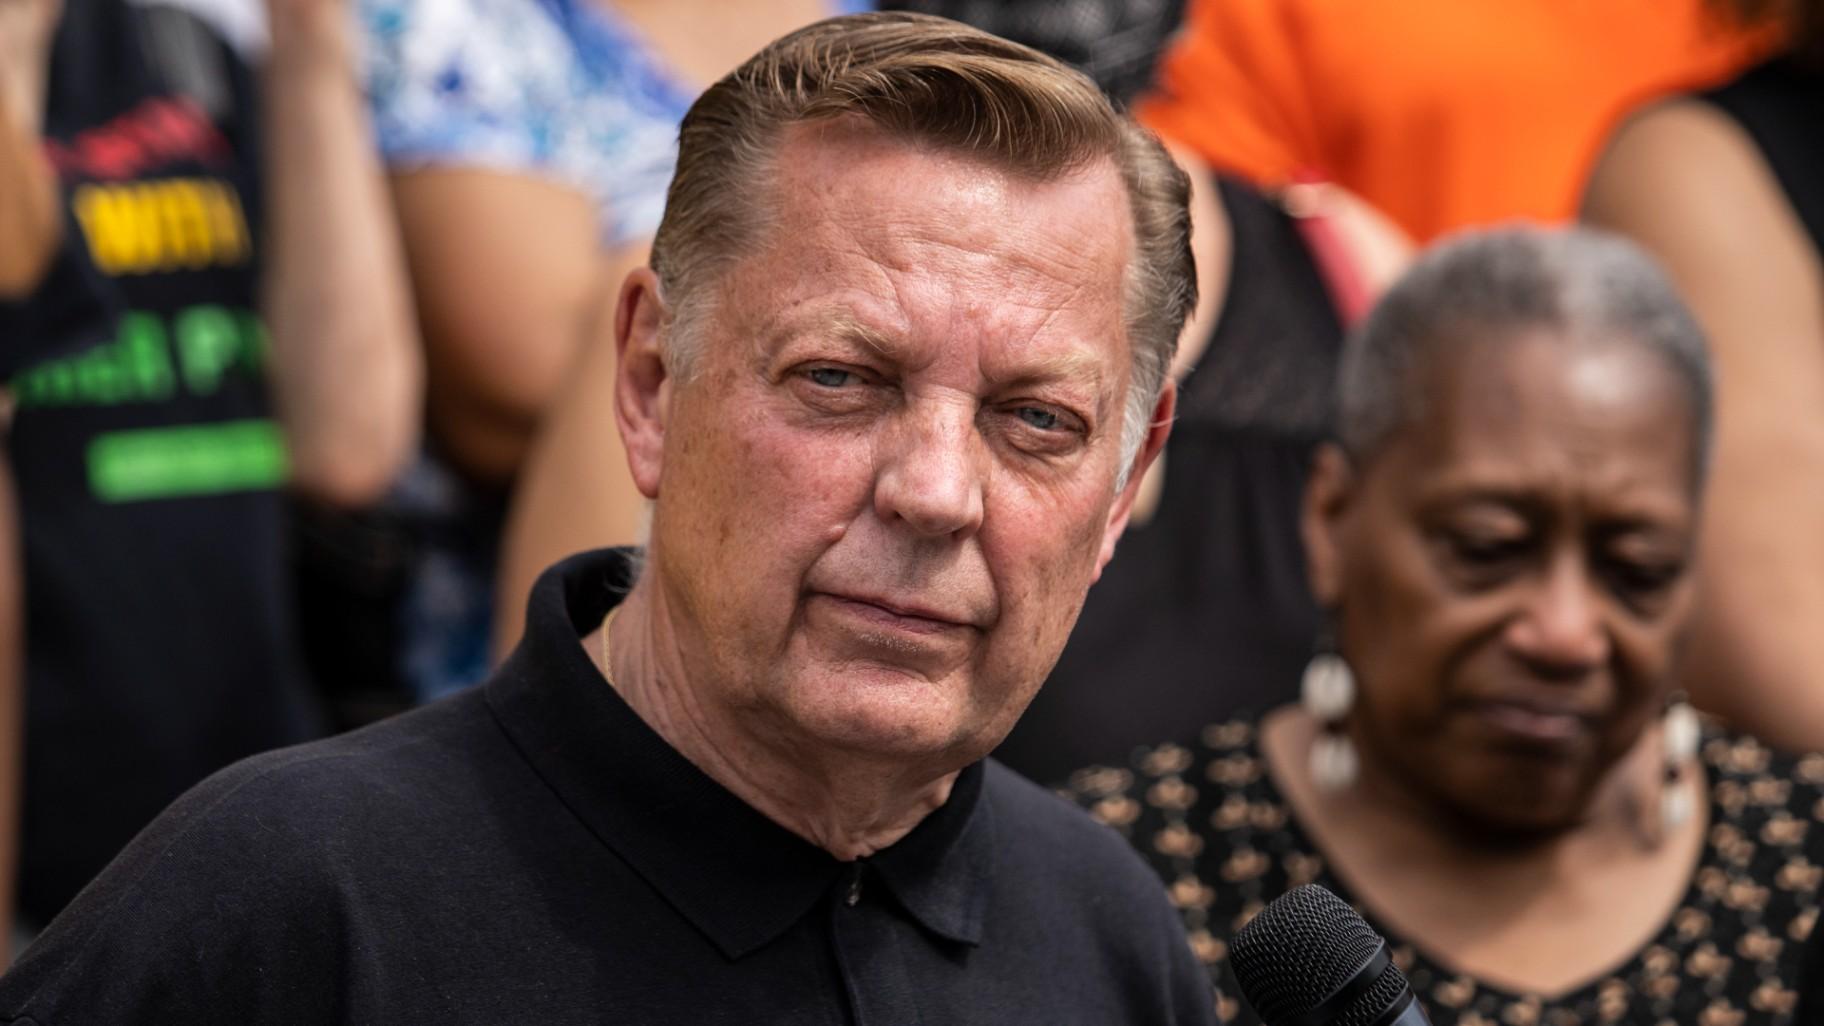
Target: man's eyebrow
[(1069, 366), (840, 326), (853, 329)]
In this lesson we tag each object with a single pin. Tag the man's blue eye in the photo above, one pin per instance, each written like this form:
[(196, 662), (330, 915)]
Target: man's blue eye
[(830, 377), (1044, 420)]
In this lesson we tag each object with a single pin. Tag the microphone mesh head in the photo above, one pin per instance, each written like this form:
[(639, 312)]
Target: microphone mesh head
[(1300, 949)]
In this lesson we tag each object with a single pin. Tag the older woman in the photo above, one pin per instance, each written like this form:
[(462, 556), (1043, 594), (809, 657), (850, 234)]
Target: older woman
[(1491, 763)]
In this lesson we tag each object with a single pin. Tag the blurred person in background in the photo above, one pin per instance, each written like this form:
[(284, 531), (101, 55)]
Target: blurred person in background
[(1206, 609), (1726, 187), (528, 144), (1492, 762), (1437, 115), (159, 416)]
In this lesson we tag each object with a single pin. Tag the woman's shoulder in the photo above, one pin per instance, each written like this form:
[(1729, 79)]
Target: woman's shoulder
[(1689, 162)]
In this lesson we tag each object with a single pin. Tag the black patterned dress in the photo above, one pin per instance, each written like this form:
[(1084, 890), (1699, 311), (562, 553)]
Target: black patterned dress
[(1736, 952)]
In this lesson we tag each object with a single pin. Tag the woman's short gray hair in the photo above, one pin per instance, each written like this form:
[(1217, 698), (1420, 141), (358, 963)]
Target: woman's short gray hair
[(1580, 285), (934, 82)]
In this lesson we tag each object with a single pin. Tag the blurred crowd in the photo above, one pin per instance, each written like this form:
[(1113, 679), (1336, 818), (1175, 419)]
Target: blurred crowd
[(307, 317)]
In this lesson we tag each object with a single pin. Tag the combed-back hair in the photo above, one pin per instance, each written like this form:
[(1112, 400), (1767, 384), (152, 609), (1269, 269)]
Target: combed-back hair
[(931, 82), (1490, 287)]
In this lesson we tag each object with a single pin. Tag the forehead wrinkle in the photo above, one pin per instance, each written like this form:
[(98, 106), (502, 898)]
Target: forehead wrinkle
[(827, 163), (1073, 360), (897, 239), (1080, 362), (909, 241)]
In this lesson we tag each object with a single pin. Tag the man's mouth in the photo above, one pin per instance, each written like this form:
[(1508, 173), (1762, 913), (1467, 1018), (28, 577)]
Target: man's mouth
[(898, 615)]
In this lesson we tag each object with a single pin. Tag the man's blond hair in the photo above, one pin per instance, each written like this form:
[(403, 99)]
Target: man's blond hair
[(932, 82)]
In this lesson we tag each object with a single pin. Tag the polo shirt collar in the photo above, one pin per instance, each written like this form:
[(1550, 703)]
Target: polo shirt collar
[(740, 878)]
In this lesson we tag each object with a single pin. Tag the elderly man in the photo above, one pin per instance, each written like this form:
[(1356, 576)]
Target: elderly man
[(891, 382)]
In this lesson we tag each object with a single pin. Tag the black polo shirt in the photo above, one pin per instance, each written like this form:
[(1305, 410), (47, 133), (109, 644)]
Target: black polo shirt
[(531, 852)]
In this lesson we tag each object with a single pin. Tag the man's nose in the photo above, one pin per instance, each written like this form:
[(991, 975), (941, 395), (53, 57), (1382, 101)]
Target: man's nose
[(931, 476), (1562, 627)]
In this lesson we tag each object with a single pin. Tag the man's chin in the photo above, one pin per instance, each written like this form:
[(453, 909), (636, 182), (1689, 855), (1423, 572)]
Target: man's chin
[(887, 731), (874, 711)]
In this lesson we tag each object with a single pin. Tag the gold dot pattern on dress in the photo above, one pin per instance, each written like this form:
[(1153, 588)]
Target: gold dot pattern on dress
[(1733, 953)]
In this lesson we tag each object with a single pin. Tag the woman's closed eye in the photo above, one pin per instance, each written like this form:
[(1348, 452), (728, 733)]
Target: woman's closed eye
[(1484, 549), (1643, 578), (1479, 559)]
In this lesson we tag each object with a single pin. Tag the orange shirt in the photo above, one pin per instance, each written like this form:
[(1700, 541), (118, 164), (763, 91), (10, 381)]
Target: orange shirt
[(1441, 113)]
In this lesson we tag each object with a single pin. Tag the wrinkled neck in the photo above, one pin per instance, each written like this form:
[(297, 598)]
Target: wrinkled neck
[(848, 804)]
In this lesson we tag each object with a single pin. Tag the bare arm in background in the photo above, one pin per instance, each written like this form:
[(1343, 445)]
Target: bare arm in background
[(1685, 181), (575, 492), (30, 229), (29, 220), (346, 370), (507, 270)]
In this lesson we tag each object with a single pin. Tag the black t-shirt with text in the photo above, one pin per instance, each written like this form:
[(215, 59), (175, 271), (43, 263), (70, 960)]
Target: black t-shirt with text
[(148, 466)]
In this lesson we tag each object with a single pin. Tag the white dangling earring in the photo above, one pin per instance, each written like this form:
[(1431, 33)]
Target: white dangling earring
[(1679, 735), (1327, 693)]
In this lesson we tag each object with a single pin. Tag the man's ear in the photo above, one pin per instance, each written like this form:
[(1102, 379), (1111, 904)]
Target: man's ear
[(1329, 493), (642, 381), (1157, 432)]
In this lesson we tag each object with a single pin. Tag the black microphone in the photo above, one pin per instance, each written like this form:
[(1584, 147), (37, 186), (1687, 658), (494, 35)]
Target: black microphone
[(1308, 960)]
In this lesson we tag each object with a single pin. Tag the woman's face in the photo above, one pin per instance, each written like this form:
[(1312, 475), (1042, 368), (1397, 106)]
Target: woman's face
[(1512, 573)]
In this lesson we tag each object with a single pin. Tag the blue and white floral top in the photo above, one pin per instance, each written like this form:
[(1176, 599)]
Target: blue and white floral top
[(556, 87)]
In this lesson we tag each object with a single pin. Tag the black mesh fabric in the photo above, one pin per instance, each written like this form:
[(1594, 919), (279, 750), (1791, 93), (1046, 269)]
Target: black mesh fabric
[(1301, 949)]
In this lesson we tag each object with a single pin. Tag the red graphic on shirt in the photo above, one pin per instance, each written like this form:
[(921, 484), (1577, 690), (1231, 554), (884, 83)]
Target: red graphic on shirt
[(160, 130)]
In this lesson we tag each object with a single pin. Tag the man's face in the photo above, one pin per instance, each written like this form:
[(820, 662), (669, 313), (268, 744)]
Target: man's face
[(889, 478)]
